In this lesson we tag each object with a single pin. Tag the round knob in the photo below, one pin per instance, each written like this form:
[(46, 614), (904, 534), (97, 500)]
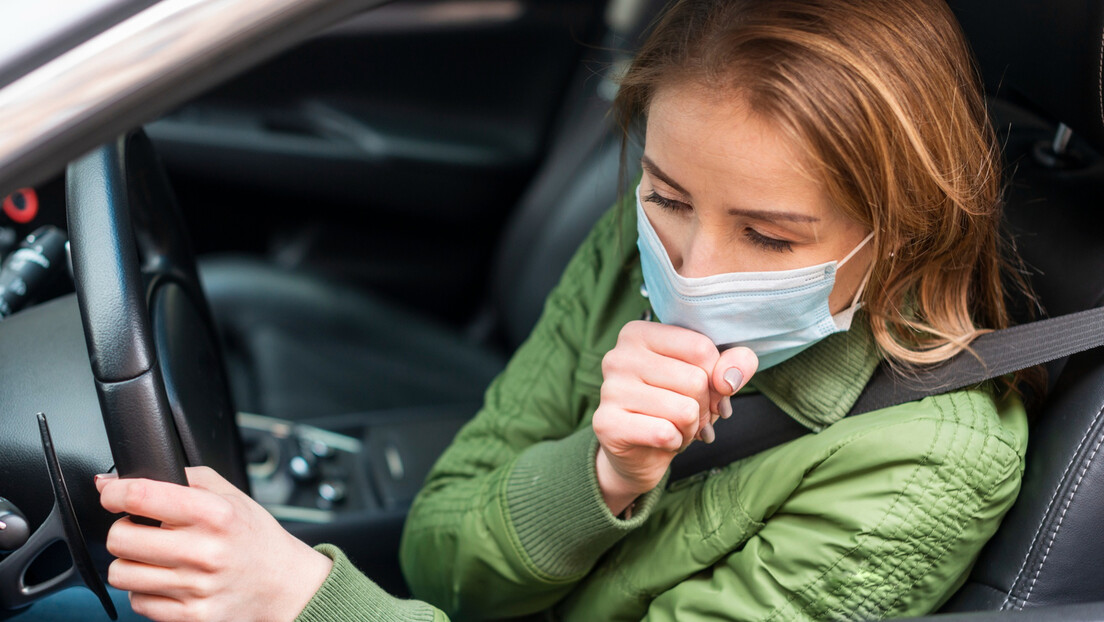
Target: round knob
[(303, 467), (332, 491), (14, 529)]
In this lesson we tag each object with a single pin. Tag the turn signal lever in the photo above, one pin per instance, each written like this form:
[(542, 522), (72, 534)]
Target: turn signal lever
[(30, 267)]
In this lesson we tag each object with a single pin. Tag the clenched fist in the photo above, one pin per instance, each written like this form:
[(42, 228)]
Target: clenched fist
[(662, 387)]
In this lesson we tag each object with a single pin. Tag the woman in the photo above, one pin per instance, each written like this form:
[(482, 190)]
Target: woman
[(820, 193)]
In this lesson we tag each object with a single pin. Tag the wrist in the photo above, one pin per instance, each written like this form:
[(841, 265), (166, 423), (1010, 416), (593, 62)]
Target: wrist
[(617, 492), (305, 572)]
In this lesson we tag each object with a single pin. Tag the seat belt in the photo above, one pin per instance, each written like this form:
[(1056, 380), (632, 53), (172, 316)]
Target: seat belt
[(762, 424)]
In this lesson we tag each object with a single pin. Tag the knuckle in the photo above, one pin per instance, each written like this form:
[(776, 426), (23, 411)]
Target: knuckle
[(600, 422), (677, 415), (607, 393), (612, 362), (203, 586), (114, 539), (632, 329), (199, 473), (116, 574), (688, 413), (665, 437), (211, 558), (135, 495), (702, 349), (197, 610), (698, 380), (220, 515), (140, 605)]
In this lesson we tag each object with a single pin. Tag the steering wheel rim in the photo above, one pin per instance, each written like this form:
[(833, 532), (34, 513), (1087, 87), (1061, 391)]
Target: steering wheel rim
[(151, 341)]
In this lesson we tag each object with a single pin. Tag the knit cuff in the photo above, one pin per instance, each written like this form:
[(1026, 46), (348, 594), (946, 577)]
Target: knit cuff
[(347, 594), (556, 508)]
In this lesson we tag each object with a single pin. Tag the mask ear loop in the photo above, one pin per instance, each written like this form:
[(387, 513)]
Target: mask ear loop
[(855, 250), (866, 277)]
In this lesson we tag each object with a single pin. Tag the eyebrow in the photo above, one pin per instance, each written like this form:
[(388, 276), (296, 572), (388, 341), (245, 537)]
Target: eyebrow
[(654, 171), (759, 214), (769, 215)]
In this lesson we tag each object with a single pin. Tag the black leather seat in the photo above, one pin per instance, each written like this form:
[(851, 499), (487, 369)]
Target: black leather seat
[(1042, 62), (287, 359)]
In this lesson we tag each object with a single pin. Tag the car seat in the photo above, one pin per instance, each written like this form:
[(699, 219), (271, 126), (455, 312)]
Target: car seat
[(299, 345), (1042, 66)]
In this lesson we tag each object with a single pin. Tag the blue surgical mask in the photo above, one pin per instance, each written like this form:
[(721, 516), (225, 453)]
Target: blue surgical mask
[(776, 314)]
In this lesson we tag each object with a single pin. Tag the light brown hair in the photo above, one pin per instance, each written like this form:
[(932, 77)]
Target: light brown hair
[(886, 99)]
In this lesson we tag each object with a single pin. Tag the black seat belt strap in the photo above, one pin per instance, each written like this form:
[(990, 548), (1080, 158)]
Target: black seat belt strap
[(997, 353), (759, 424)]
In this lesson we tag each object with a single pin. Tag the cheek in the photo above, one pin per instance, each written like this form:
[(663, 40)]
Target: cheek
[(674, 232), (849, 279)]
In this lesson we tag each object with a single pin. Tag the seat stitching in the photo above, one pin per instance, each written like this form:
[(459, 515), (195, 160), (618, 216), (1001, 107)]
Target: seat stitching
[(1100, 77), (1062, 516), (1046, 513)]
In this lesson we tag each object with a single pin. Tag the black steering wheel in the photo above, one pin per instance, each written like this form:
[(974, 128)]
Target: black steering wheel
[(158, 370)]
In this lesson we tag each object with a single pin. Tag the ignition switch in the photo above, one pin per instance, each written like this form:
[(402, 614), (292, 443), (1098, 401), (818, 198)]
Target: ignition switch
[(14, 530)]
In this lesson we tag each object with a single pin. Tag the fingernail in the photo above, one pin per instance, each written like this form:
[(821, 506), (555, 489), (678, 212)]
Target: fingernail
[(726, 408), (734, 377), (707, 433), (100, 476)]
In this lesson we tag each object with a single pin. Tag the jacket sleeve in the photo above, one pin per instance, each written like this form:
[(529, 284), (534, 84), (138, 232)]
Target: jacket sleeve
[(511, 515), (888, 525), (347, 594)]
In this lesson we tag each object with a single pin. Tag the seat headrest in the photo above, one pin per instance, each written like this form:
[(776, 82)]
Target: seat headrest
[(1050, 55)]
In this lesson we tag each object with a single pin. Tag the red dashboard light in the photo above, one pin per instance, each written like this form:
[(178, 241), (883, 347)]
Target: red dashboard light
[(22, 205)]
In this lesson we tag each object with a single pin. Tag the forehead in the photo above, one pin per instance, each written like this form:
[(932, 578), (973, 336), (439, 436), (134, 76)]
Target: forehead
[(711, 143)]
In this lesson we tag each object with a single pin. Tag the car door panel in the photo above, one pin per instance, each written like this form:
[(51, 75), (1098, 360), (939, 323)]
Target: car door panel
[(388, 150)]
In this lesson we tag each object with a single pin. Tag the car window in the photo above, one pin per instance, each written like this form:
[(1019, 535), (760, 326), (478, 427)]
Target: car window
[(37, 31)]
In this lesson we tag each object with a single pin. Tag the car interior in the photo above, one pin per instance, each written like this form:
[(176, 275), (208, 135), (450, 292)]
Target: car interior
[(375, 238)]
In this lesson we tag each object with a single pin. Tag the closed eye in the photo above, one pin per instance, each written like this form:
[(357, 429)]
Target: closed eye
[(665, 203), (769, 243)]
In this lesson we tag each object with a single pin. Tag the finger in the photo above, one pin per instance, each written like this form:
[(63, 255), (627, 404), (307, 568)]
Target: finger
[(102, 479), (207, 478), (171, 504), (725, 407), (133, 576), (734, 368), (685, 413), (659, 371), (155, 546), (161, 608), (622, 431), (673, 341)]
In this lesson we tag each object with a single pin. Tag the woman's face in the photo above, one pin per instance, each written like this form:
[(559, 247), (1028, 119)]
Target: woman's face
[(725, 191)]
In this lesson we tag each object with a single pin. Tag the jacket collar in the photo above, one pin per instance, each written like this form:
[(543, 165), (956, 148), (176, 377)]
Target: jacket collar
[(819, 386)]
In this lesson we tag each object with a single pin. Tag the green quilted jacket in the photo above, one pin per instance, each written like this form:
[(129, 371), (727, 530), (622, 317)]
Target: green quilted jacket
[(872, 516)]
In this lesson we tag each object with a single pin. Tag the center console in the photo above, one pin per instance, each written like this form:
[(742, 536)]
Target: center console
[(349, 480)]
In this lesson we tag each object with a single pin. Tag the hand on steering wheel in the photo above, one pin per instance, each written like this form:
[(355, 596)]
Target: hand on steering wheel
[(218, 555)]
